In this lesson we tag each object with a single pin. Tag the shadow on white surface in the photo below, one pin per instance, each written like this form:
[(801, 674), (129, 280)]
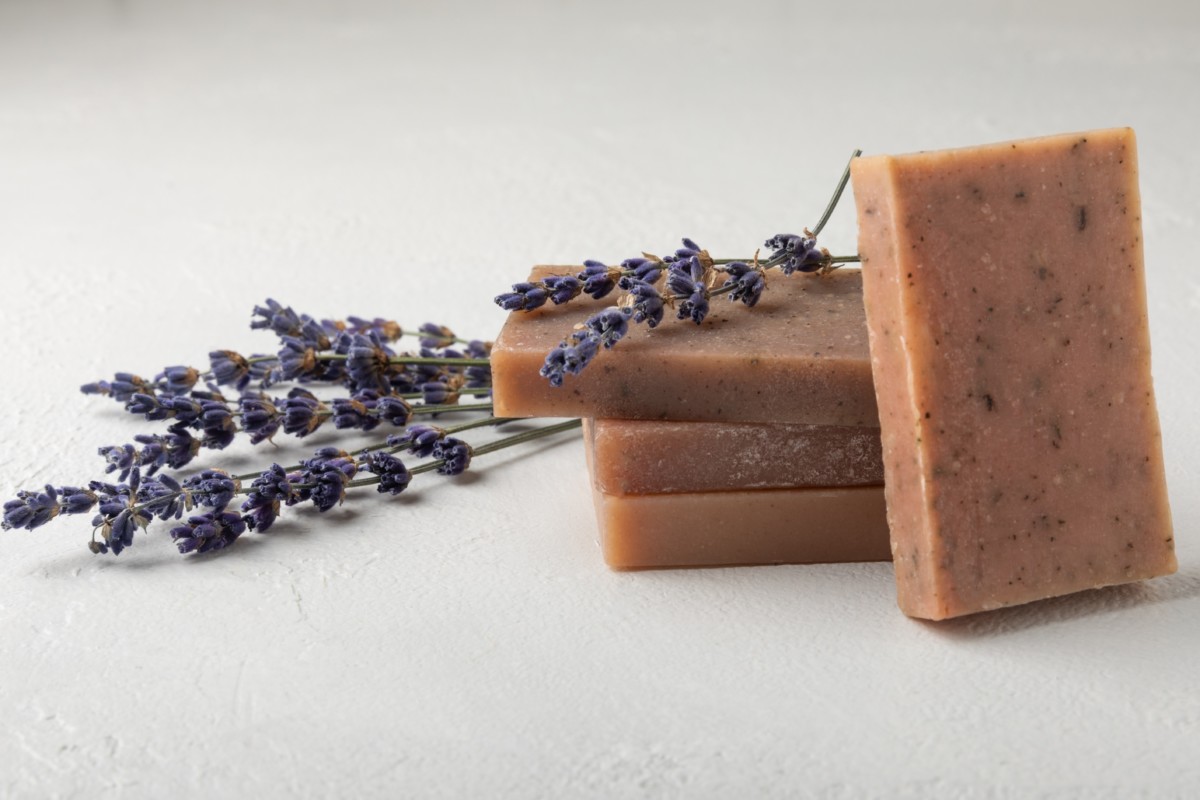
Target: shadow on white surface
[(1183, 585)]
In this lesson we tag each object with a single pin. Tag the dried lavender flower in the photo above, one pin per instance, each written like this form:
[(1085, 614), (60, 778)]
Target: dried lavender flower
[(418, 439), (229, 368), (205, 532), (394, 477), (455, 455), (745, 283), (212, 488), (795, 253)]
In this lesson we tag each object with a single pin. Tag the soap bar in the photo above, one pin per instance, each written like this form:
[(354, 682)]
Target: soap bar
[(1006, 304), (661, 457), (800, 356), (766, 526)]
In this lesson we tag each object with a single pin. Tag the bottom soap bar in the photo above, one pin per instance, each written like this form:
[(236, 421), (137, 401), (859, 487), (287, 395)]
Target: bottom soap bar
[(765, 526)]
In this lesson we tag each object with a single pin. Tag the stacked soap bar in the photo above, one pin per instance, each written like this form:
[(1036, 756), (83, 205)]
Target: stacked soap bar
[(1011, 353), (750, 439)]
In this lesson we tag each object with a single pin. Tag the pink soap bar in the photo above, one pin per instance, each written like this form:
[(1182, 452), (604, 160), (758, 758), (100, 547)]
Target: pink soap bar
[(747, 527), (653, 457), (1006, 304), (799, 356), (769, 526)]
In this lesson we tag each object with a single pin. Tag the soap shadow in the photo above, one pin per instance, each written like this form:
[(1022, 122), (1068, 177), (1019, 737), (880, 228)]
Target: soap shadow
[(1183, 585)]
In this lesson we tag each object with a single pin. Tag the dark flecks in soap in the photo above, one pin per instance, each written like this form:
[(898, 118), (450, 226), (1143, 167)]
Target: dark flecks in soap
[(1081, 221), (1020, 195), (989, 402)]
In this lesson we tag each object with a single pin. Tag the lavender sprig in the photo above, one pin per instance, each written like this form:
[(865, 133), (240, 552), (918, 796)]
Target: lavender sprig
[(691, 273), (323, 480)]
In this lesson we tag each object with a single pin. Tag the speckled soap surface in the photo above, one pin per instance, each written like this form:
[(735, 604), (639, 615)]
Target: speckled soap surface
[(1010, 346), (800, 355), (634, 457)]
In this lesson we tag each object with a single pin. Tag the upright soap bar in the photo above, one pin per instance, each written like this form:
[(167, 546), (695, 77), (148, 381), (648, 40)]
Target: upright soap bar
[(635, 457), (800, 356), (1006, 305)]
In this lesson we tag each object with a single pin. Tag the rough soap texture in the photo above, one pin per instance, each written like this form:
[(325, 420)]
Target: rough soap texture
[(1006, 304), (773, 526), (653, 457), (800, 355)]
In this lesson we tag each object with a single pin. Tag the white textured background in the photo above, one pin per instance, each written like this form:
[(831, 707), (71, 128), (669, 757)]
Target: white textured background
[(165, 166)]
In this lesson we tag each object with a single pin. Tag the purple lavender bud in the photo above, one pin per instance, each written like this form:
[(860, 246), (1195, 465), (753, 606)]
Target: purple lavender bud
[(229, 368), (393, 475), (562, 288), (163, 496), (149, 406), (748, 282), (301, 412), (212, 488), (686, 278), (436, 335), (260, 417), (275, 484), (795, 253), (368, 364), (356, 411), (643, 270), (597, 279), (282, 320), (436, 393), (555, 366), (259, 512), (208, 532), (418, 439), (525, 296), (99, 387), (455, 455), (297, 359), (118, 532), (176, 449), (393, 410), (31, 509), (324, 481), (125, 385), (648, 303), (180, 379), (216, 421), (123, 457), (387, 330), (75, 500), (609, 326), (185, 410)]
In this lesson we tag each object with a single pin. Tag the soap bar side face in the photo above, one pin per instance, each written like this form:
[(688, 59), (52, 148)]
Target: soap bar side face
[(711, 529), (1006, 303), (635, 457), (799, 356)]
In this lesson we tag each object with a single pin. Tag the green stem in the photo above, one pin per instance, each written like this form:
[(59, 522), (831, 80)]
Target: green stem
[(508, 441), (837, 195)]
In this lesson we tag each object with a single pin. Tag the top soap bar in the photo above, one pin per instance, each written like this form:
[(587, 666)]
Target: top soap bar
[(1006, 304), (799, 356)]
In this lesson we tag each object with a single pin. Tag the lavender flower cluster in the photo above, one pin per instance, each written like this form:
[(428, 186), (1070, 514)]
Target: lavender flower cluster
[(205, 504), (382, 385), (691, 275)]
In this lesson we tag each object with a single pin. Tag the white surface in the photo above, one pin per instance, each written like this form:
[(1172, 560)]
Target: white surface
[(165, 166)]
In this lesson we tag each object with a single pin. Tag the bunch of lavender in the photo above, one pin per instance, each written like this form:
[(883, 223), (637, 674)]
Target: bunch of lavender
[(691, 278), (325, 480), (384, 387), (354, 355)]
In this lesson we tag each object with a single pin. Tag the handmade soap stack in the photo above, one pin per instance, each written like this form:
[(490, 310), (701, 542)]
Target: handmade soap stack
[(752, 438)]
